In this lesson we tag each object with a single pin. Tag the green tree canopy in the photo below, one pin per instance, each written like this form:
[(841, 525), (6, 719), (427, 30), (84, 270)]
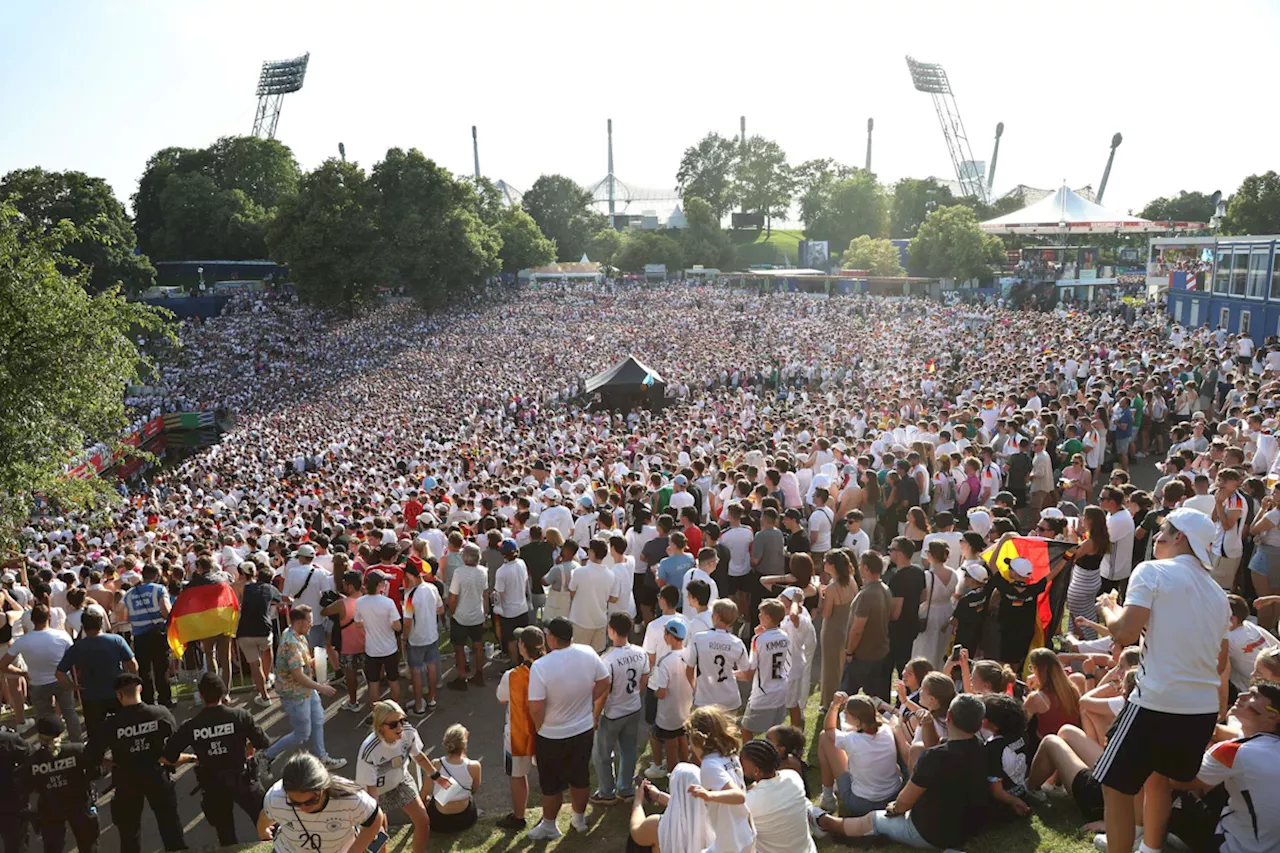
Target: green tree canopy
[(1183, 207), (704, 240), (66, 357), (877, 255), (706, 171), (1255, 207), (178, 216), (913, 199), (851, 207), (763, 181), (1007, 203), (523, 245), (815, 181), (563, 211), (605, 245), (649, 247), (950, 244), (105, 244)]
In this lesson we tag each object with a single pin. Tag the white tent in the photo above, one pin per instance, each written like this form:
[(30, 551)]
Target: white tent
[(1065, 211)]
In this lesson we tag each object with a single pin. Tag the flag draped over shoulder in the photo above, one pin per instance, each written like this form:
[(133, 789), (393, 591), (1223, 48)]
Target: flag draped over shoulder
[(1044, 554), (200, 612)]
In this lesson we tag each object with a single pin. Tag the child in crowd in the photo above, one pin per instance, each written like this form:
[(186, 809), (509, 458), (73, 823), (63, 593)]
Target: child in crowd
[(655, 646), (696, 613), (791, 745), (712, 658), (1008, 755), (518, 732), (671, 686), (768, 670), (798, 627), (1245, 641), (703, 571), (971, 597), (714, 741)]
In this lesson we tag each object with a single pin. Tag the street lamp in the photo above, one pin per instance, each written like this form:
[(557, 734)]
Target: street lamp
[(200, 270)]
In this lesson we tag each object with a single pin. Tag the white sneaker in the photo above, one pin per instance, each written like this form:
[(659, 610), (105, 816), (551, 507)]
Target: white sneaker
[(1100, 842), (579, 822), (545, 831), (352, 706), (262, 701), (27, 726), (828, 803), (818, 832), (655, 771), (333, 763)]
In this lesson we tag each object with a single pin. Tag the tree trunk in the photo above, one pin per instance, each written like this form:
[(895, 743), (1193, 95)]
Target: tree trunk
[(768, 226)]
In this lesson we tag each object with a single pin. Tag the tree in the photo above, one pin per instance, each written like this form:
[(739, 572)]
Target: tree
[(649, 247), (877, 255), (913, 198), (433, 240), (213, 202), (523, 245), (815, 180), (1184, 207), (66, 357), (704, 240), (1255, 207), (105, 245), (605, 245), (851, 207), (706, 171), (950, 244), (563, 211), (763, 182), (327, 233)]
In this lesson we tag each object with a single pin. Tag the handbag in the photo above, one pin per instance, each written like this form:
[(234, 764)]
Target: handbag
[(922, 622)]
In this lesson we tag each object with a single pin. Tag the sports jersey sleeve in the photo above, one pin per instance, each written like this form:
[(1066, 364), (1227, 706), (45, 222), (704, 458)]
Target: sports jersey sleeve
[(691, 652), (1144, 583), (1218, 764), (368, 808), (366, 769)]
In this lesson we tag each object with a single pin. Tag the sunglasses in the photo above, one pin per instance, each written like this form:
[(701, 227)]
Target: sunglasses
[(395, 724), (313, 800)]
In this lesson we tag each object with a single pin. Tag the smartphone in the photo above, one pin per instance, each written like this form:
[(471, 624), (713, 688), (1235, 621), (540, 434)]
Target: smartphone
[(379, 841)]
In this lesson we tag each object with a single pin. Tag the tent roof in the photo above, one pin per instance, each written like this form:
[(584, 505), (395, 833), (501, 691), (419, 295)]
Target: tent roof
[(627, 373), (1080, 215)]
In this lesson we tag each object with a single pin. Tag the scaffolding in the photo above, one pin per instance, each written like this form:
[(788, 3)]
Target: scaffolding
[(278, 78)]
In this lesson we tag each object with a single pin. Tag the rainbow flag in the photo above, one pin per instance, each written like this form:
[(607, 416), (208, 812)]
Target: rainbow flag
[(1043, 554), (200, 612)]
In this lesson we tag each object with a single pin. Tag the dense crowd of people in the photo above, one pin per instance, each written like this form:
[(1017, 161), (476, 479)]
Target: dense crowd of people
[(825, 504)]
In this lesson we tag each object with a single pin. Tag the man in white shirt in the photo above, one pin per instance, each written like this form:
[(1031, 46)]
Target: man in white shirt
[(591, 590), (681, 497), (564, 686), (1228, 520), (42, 649), (556, 515), (1117, 562), (821, 521), (510, 596), (381, 620), (855, 538), (1181, 614), (619, 714), (305, 583), (422, 609)]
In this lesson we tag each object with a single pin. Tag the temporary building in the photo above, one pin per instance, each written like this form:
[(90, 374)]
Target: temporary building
[(626, 384), (1068, 212)]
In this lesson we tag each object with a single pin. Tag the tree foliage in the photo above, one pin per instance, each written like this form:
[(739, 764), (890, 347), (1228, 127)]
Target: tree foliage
[(104, 244), (815, 181), (850, 207), (913, 199), (707, 172), (649, 247), (523, 245), (704, 240), (763, 181), (66, 356), (1183, 207), (950, 244), (1255, 207), (563, 211), (877, 255), (213, 202), (983, 211), (605, 245)]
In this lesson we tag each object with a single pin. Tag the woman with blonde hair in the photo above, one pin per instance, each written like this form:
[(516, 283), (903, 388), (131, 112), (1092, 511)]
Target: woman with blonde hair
[(1055, 700), (713, 739), (382, 768), (453, 809)]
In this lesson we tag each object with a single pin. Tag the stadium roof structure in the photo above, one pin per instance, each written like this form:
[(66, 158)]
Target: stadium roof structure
[(1067, 212), (628, 373)]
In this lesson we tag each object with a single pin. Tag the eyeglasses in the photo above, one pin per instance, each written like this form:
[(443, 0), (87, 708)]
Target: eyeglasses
[(395, 724), (1040, 528), (313, 800)]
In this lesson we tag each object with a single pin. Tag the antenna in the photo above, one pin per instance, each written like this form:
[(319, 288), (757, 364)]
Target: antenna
[(342, 152), (610, 178), (278, 78), (1106, 173), (871, 125), (995, 155), (475, 150)]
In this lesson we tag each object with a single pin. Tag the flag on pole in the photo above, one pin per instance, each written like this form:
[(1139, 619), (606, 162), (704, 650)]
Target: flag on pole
[(200, 612)]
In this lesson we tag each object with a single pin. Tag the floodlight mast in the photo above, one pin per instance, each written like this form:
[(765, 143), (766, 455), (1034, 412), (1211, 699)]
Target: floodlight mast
[(931, 78), (278, 78)]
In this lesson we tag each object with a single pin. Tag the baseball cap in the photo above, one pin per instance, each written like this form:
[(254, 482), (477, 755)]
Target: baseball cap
[(794, 593), (980, 521), (681, 480), (1021, 566), (976, 570), (1198, 529), (306, 551), (677, 628), (509, 546), (8, 577)]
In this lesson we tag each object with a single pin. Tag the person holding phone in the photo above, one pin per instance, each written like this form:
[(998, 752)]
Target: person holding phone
[(311, 811)]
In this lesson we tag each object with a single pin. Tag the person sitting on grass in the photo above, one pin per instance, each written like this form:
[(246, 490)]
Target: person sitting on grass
[(775, 800), (936, 693), (453, 808), (683, 828), (859, 758), (1007, 755), (791, 745)]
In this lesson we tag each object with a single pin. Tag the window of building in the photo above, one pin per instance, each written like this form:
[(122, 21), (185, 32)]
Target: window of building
[(1258, 271), (1222, 271), (1244, 323), (1195, 314), (1224, 318), (1239, 271), (1179, 311)]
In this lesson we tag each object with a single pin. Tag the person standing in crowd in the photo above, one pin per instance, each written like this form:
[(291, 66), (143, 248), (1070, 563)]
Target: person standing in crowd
[(1228, 536), (97, 659), (15, 792), (768, 555), (518, 732), (1117, 562), (61, 776), (382, 766), (258, 602), (867, 647), (381, 620), (1158, 738), (147, 608), (311, 811), (510, 597), (135, 737), (42, 649), (422, 610), (305, 583), (222, 741), (593, 588), (713, 657), (906, 582), (768, 669), (299, 691), (619, 714), (564, 685), (468, 587)]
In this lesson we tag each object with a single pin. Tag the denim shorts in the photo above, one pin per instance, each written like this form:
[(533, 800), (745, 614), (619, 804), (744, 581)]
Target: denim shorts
[(854, 806), (899, 828), (1266, 561), (421, 657)]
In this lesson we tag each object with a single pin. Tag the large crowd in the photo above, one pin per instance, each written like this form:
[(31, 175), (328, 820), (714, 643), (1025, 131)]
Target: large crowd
[(824, 504)]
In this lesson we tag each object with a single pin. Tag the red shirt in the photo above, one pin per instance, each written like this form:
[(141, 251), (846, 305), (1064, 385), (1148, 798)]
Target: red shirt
[(412, 510), (396, 582), (693, 534)]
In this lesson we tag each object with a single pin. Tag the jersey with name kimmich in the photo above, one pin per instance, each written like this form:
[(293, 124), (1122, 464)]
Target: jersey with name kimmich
[(627, 665), (217, 737), (770, 658), (136, 736), (715, 655)]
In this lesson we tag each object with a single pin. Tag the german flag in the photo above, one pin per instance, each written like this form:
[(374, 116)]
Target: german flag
[(1044, 554), (200, 612)]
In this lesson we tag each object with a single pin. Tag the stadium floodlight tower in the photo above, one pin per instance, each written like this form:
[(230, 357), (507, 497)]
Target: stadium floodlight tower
[(278, 78), (929, 77)]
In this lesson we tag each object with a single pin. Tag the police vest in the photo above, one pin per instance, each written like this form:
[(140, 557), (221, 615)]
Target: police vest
[(143, 605)]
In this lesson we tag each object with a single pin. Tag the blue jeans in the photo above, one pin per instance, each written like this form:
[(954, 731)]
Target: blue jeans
[(900, 829), (620, 736), (306, 716), (855, 806)]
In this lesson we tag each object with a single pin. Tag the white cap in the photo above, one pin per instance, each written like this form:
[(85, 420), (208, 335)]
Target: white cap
[(1197, 527), (794, 593), (1021, 566), (976, 570), (980, 521)]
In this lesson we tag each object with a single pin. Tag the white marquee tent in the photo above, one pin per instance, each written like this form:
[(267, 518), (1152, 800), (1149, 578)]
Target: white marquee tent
[(1067, 212)]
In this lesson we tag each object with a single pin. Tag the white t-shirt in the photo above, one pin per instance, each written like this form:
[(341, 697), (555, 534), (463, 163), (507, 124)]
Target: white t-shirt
[(41, 651), (422, 604), (509, 584), (330, 830), (564, 678), (686, 609), (1250, 769), (377, 613), (873, 762), (732, 824), (624, 572), (1189, 619), (771, 659), (296, 578), (654, 632), (778, 807), (738, 541), (57, 620), (952, 539), (820, 523), (75, 617), (1118, 561), (383, 764), (715, 655), (591, 585), (1230, 543), (627, 665), (1244, 644), (674, 707), (858, 542)]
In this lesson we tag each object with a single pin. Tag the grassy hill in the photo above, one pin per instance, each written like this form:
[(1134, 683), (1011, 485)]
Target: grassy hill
[(752, 247)]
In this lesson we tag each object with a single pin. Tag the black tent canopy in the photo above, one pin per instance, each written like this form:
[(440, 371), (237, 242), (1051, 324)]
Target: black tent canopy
[(628, 383)]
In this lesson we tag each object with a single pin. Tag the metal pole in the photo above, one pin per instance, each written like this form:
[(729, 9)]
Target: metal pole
[(1111, 158), (475, 150), (871, 124), (610, 178), (995, 156)]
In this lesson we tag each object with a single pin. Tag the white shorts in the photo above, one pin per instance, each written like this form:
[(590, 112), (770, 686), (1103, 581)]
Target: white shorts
[(798, 690)]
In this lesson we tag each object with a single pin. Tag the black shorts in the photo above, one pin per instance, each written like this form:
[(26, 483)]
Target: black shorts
[(650, 707), (731, 586), (382, 669), (645, 593), (564, 763), (1141, 742), (508, 626), (460, 634), (665, 735), (1088, 795)]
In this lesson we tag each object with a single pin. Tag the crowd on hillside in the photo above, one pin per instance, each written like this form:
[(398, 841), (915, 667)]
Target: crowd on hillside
[(826, 503)]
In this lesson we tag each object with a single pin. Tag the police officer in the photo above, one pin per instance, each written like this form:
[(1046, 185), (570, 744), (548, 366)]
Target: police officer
[(136, 735), (217, 738), (14, 793), (147, 605), (61, 776)]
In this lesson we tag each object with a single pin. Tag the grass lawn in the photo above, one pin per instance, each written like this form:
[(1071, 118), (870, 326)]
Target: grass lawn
[(751, 247), (1053, 828)]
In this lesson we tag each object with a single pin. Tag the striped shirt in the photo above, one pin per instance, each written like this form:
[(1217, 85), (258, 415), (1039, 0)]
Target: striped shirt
[(330, 830)]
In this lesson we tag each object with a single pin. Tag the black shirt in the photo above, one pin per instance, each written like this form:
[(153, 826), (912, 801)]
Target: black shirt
[(13, 757), (906, 583), (61, 782), (538, 558), (956, 793), (1017, 601), (970, 616), (798, 542), (256, 610), (136, 735), (217, 737), (654, 550), (1019, 471)]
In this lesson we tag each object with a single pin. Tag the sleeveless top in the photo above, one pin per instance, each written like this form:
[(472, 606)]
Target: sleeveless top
[(1049, 722)]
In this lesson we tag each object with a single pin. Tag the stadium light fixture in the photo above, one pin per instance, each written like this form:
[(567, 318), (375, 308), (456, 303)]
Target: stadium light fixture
[(277, 79)]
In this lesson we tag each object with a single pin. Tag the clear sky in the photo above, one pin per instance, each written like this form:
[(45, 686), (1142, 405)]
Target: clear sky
[(100, 86)]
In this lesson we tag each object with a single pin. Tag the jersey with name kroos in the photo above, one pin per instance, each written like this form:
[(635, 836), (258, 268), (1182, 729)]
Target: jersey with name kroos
[(383, 764), (715, 655), (627, 665), (771, 659)]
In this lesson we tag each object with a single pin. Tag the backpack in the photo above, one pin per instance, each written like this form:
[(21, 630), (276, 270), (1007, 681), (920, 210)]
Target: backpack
[(946, 491), (326, 598)]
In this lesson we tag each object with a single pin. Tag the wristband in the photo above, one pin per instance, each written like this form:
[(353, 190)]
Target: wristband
[(435, 776)]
